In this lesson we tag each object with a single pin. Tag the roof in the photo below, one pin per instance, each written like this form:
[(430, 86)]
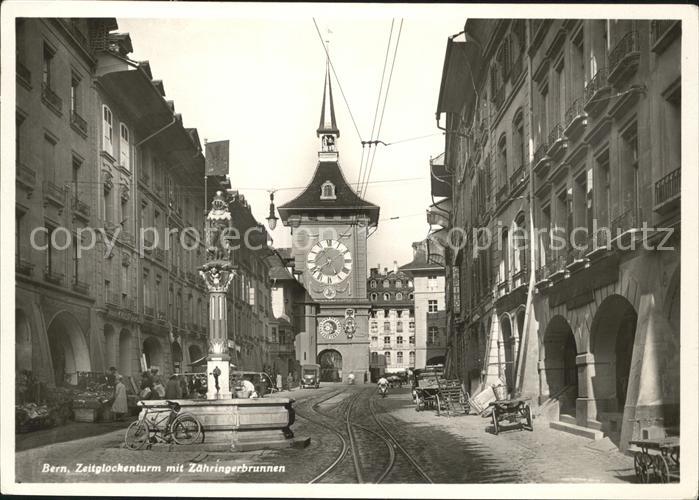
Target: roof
[(421, 260), (462, 66), (327, 123), (346, 199)]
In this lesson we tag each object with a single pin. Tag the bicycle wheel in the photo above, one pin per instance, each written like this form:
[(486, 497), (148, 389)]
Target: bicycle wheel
[(137, 435), (186, 429)]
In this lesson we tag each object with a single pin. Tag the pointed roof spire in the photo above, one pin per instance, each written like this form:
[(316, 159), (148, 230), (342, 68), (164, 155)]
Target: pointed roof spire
[(327, 112)]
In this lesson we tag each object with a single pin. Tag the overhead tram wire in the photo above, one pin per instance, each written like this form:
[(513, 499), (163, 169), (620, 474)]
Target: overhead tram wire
[(383, 109), (378, 101)]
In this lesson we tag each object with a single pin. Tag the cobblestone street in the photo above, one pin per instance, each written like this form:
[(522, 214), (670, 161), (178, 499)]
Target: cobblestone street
[(458, 449)]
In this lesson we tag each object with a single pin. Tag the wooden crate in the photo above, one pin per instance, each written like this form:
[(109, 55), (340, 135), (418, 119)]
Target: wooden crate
[(85, 414)]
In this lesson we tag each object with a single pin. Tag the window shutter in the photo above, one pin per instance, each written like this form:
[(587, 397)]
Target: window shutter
[(124, 147), (107, 130)]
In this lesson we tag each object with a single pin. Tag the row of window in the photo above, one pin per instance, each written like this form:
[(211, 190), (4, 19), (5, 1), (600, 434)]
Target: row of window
[(387, 357), (399, 340), (398, 283), (386, 297), (387, 326), (389, 313)]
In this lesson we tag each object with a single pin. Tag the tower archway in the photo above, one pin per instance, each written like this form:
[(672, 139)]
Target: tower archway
[(330, 362)]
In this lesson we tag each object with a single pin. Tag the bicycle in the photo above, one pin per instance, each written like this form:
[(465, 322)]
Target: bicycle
[(164, 427)]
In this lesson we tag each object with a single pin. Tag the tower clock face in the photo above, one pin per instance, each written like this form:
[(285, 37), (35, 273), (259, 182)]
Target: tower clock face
[(329, 262)]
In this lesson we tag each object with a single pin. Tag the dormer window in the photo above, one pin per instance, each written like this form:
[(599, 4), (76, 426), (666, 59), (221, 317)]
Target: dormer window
[(327, 191)]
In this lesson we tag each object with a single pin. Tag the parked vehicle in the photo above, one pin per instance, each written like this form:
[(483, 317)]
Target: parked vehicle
[(426, 386), (310, 376)]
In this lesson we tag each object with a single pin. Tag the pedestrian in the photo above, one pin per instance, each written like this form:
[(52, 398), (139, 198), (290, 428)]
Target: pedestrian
[(146, 387), (173, 390), (183, 385), (111, 376), (120, 406), (289, 380), (279, 381)]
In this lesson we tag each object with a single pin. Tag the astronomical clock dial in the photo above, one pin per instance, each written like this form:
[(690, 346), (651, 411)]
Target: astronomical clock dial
[(329, 262), (329, 328)]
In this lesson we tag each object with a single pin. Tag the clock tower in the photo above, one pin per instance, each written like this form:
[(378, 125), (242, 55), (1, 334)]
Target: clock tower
[(329, 225)]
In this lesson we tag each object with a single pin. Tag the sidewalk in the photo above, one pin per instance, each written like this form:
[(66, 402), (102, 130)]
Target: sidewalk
[(543, 455)]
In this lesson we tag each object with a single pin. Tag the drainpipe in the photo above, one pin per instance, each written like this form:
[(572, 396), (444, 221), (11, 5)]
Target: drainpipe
[(533, 243)]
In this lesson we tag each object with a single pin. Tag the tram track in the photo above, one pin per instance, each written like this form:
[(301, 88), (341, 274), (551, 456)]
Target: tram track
[(395, 442), (344, 412), (343, 441)]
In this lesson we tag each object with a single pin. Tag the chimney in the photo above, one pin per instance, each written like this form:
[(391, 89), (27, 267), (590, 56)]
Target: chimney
[(395, 266)]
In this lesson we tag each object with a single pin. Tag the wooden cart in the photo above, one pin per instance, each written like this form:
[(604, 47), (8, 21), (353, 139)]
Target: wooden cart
[(425, 389), (451, 398), (515, 410), (662, 466)]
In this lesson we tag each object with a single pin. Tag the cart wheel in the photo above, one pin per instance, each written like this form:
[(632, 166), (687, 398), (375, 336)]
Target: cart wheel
[(528, 416), (661, 468), (641, 463), (495, 422), (186, 429), (137, 435)]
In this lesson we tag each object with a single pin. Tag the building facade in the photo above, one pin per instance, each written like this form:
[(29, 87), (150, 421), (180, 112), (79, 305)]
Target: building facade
[(104, 150), (571, 301), (391, 321), (330, 224), (429, 305)]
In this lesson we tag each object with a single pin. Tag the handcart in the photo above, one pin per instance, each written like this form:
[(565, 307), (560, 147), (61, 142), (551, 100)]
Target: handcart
[(663, 465), (425, 389), (515, 410), (451, 398)]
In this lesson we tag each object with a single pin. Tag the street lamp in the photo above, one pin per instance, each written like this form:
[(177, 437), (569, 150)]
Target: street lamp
[(271, 218)]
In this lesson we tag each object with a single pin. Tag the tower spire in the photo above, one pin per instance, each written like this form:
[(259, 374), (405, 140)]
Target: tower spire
[(327, 125)]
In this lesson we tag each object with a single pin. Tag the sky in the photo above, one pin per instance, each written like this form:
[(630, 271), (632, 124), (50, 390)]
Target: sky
[(258, 82)]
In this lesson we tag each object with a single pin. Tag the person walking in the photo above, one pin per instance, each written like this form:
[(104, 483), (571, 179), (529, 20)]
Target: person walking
[(120, 405)]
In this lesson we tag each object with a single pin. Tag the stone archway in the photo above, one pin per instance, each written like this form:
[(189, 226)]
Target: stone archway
[(509, 347), (110, 340), (612, 338), (195, 354), (125, 353), (560, 373), (154, 353), (520, 323), (23, 341), (330, 362), (69, 351)]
